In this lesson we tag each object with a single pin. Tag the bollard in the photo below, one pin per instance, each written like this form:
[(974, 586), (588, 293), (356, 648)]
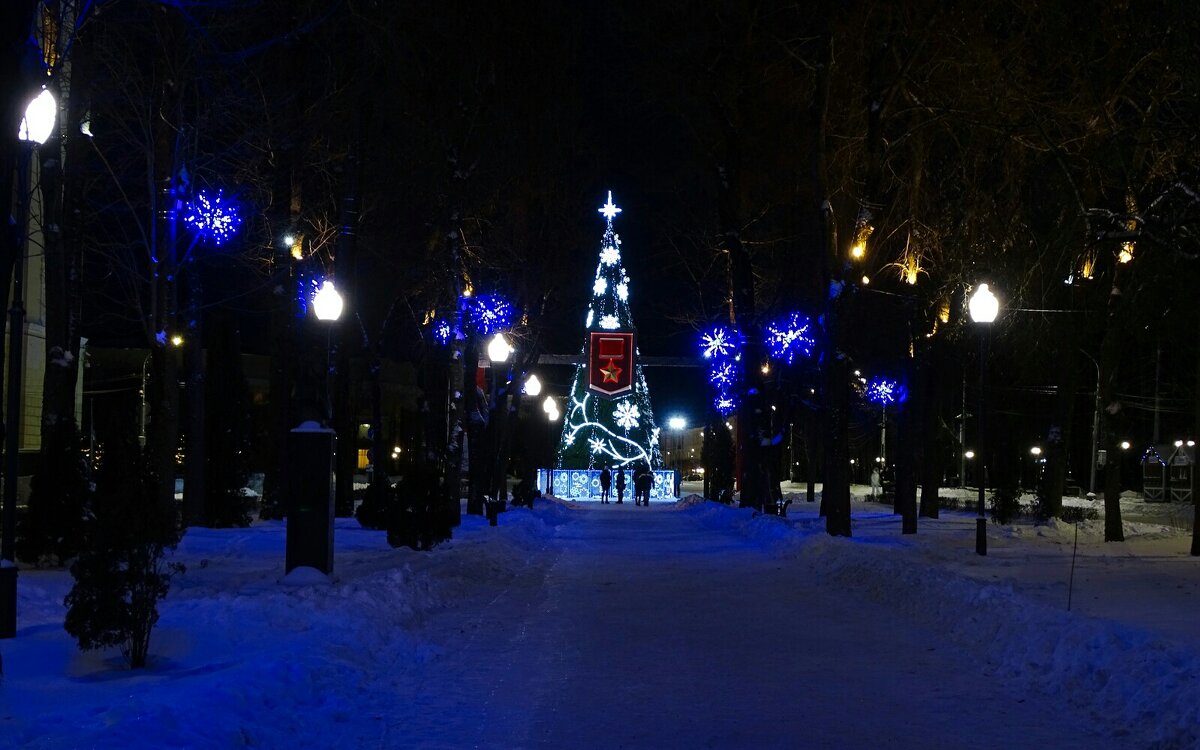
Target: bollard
[(492, 508), (310, 491)]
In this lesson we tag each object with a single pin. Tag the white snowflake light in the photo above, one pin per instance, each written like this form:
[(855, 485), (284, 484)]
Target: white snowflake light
[(600, 287), (591, 314), (654, 436), (610, 256), (627, 415), (609, 322), (597, 445), (623, 292)]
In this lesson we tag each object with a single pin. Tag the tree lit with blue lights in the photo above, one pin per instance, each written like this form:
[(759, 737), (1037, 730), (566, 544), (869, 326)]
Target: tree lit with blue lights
[(789, 336), (885, 392), (487, 314), (212, 216), (719, 342)]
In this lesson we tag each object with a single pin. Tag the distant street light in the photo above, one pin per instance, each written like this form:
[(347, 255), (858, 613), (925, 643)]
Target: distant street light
[(984, 307), (1035, 450), (533, 386)]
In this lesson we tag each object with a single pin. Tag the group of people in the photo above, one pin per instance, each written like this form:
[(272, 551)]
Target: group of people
[(643, 481)]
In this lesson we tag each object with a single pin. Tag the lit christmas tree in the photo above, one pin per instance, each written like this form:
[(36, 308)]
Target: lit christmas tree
[(609, 420)]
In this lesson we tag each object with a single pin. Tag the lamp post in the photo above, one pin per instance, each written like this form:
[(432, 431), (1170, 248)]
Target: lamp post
[(327, 304), (498, 351), (677, 424), (983, 308), (35, 129)]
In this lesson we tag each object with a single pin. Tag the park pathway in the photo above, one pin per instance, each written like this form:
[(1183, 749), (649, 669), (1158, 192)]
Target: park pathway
[(649, 630)]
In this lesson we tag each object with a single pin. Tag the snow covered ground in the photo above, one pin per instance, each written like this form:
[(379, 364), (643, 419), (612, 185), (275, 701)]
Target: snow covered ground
[(680, 625)]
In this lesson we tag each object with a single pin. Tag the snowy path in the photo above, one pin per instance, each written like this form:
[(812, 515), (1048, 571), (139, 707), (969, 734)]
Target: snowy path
[(651, 631)]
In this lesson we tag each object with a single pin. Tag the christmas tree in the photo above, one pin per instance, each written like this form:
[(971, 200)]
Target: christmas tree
[(609, 420)]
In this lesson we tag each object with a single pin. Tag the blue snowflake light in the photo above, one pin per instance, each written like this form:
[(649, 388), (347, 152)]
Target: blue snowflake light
[(719, 342), (724, 375), (725, 403), (790, 335), (212, 216), (442, 331), (487, 313), (883, 391)]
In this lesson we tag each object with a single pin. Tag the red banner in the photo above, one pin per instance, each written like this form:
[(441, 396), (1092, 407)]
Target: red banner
[(610, 363)]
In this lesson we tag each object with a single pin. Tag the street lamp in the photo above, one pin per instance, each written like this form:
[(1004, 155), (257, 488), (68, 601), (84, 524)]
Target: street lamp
[(533, 386), (327, 305), (983, 308), (36, 127)]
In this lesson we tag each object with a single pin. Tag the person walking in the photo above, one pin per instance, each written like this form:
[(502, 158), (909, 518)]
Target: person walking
[(605, 484), (620, 484)]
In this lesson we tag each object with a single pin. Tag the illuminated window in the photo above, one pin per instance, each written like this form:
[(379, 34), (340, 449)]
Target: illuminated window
[(363, 461)]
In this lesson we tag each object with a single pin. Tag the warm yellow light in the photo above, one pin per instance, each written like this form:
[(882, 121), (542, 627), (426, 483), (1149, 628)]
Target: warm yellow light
[(866, 280), (468, 290), (969, 454), (1087, 269), (177, 340), (298, 251), (858, 250), (1125, 445), (766, 368), (1126, 254)]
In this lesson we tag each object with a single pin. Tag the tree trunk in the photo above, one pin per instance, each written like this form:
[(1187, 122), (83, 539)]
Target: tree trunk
[(194, 485), (1058, 436), (934, 453), (1113, 416), (474, 417), (908, 437)]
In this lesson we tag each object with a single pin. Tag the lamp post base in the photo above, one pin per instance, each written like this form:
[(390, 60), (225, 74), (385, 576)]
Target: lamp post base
[(981, 536)]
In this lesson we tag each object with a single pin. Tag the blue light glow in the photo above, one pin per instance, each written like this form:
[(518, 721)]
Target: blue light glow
[(725, 403), (720, 342), (487, 313), (212, 216), (441, 331), (724, 374), (883, 391), (790, 335)]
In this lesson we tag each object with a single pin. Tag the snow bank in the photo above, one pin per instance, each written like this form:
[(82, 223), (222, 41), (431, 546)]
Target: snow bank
[(1123, 676)]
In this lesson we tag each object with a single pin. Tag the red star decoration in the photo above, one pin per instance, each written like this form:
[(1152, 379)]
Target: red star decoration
[(611, 373)]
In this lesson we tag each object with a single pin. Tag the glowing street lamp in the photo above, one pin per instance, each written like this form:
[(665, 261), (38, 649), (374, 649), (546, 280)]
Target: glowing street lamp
[(533, 386), (327, 302), (39, 119), (499, 349)]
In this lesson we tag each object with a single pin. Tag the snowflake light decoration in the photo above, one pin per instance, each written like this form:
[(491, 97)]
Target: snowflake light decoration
[(600, 287), (883, 391), (442, 331), (725, 404), (610, 256), (597, 445), (719, 342), (790, 335), (609, 322), (212, 217), (627, 415), (623, 292), (487, 313), (724, 374)]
